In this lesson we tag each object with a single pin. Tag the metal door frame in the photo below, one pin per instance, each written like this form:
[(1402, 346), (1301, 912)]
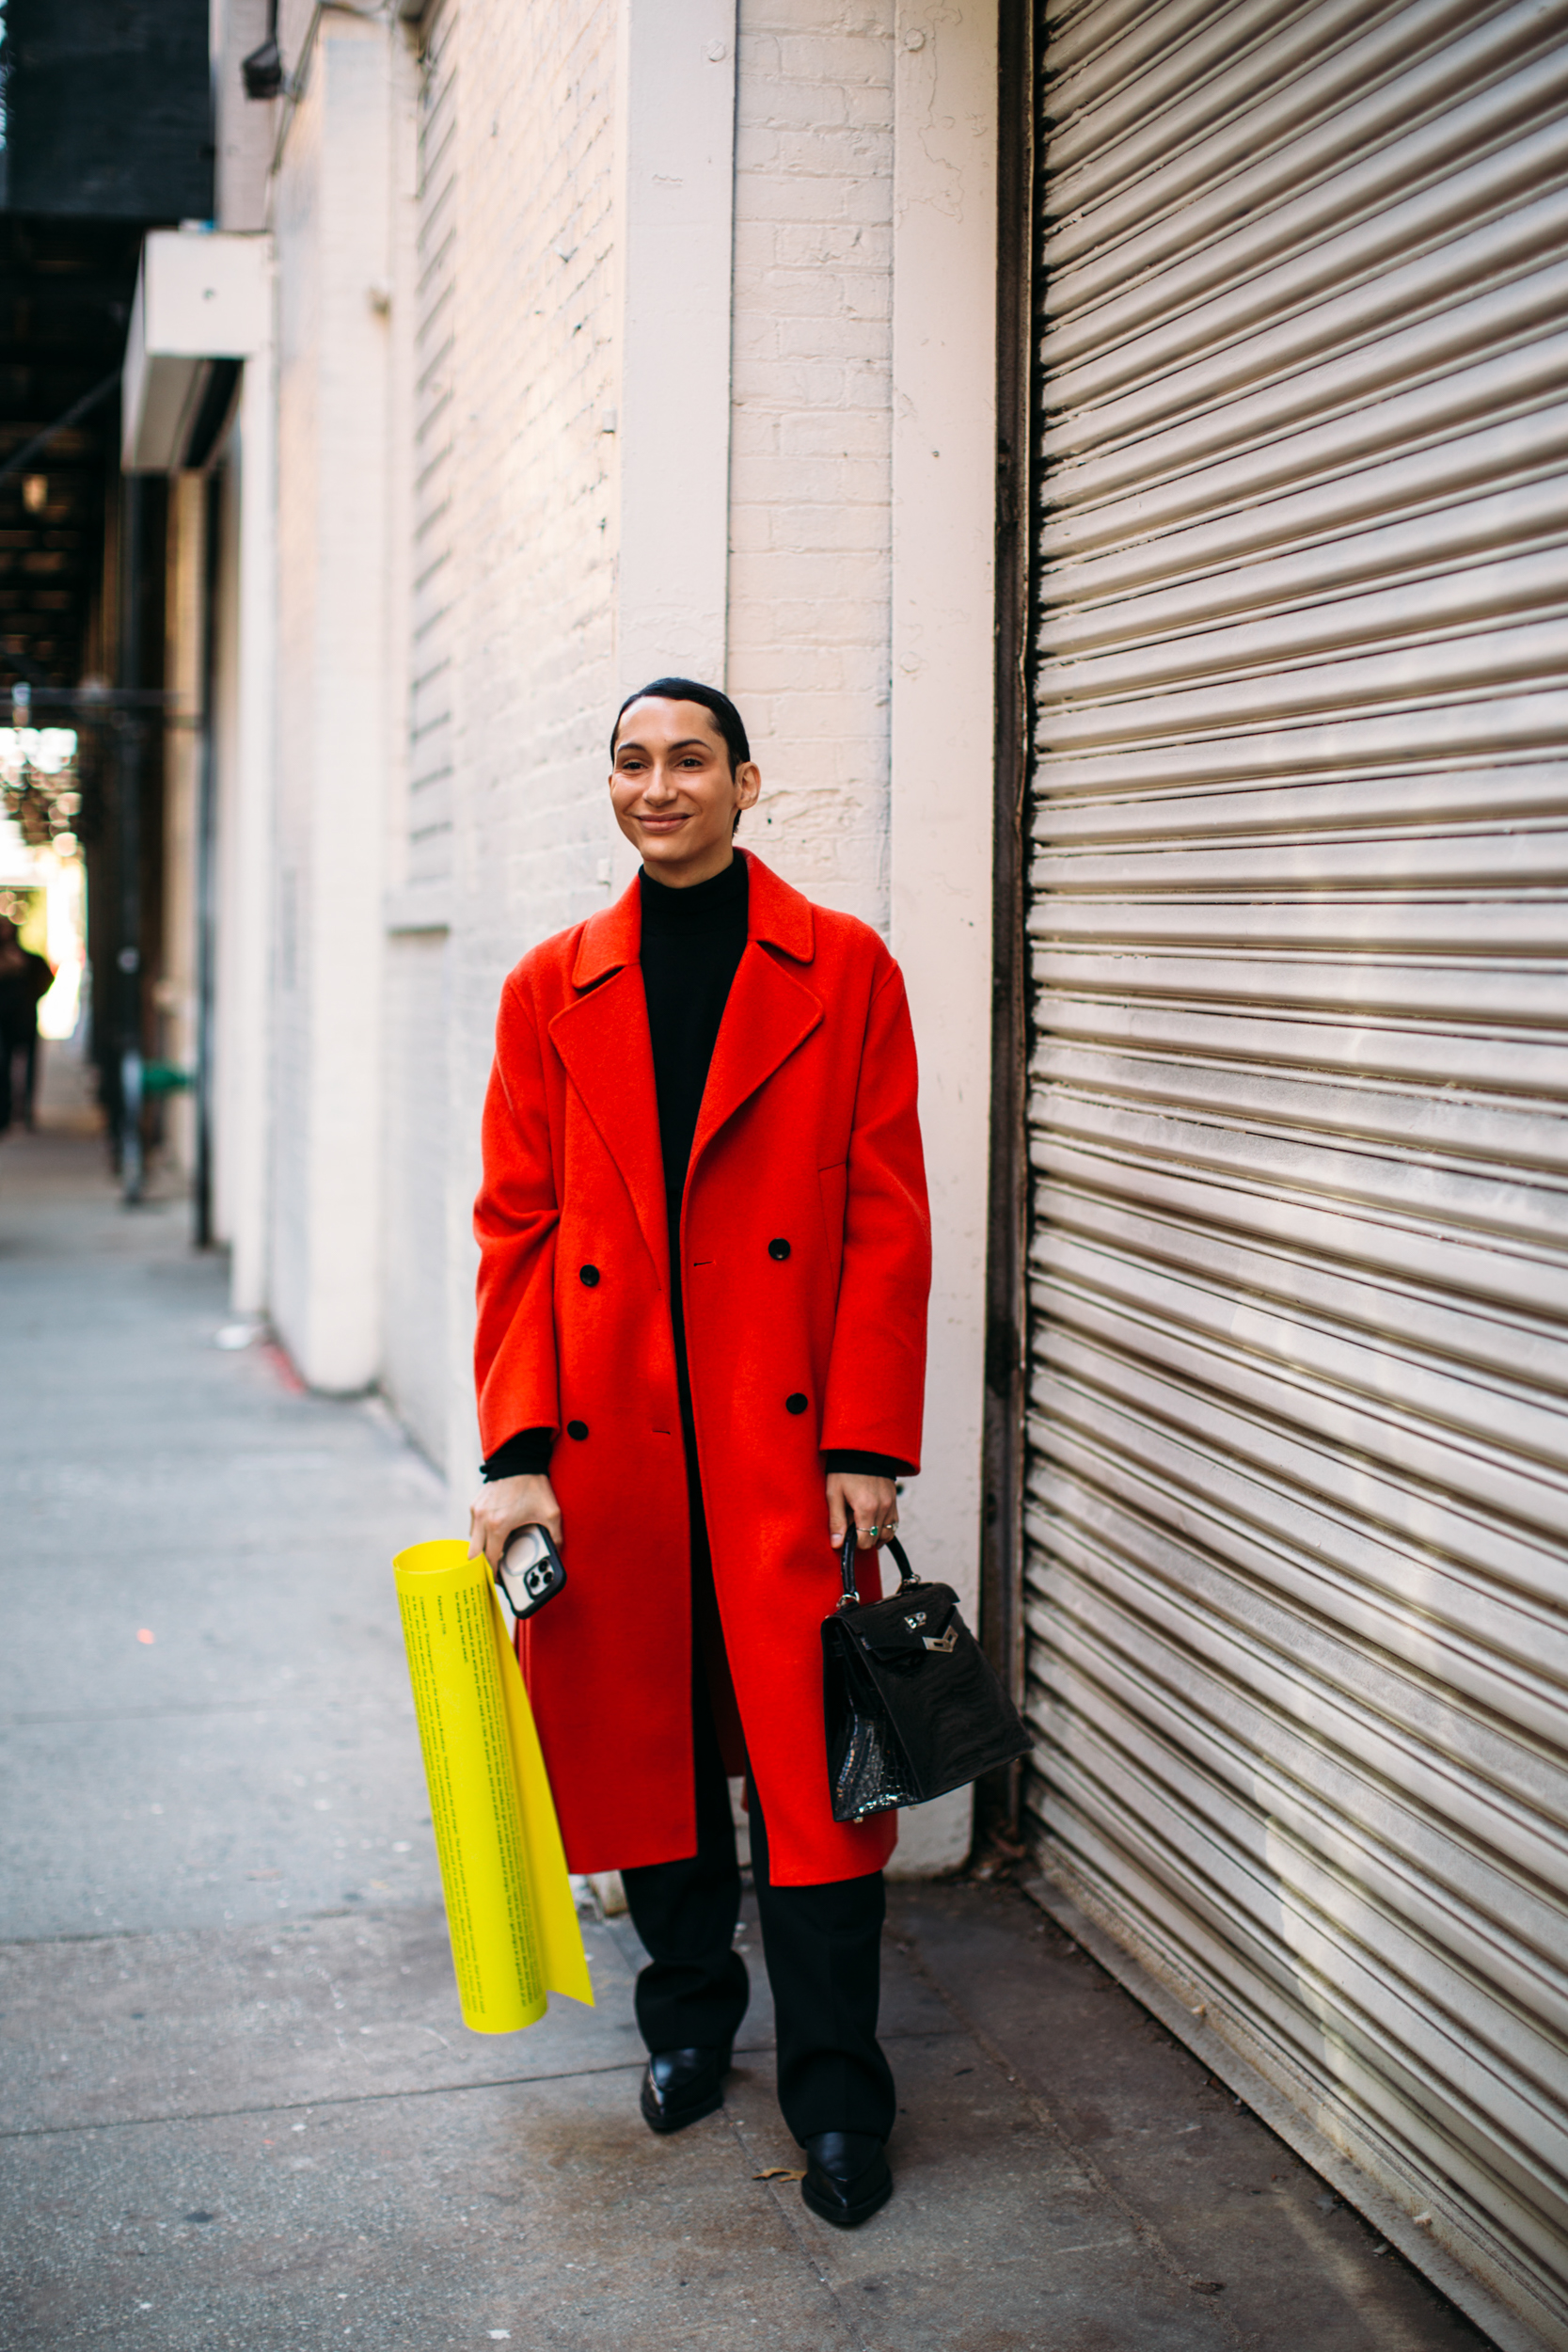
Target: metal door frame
[(1019, 48)]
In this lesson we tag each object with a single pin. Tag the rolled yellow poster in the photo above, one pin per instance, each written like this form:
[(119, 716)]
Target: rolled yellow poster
[(510, 1913)]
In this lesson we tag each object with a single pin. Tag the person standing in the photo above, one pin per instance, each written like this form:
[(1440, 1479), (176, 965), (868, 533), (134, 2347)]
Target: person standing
[(704, 1264), (25, 980)]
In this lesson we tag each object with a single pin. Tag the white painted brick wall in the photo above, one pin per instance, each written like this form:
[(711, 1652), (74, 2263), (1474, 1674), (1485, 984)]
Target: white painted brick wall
[(810, 464), (534, 606), (335, 702), (534, 377), (534, 369), (295, 209), (418, 1152), (425, 329), (537, 503), (246, 130)]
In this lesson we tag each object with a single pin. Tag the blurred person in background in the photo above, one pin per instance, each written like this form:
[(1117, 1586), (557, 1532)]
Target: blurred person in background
[(705, 1266), (25, 980)]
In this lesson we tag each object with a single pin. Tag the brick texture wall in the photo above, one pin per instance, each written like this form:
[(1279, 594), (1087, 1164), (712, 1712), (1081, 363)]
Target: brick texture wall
[(296, 225), (810, 464), (415, 1308), (524, 341), (480, 759), (533, 373), (332, 210), (534, 376)]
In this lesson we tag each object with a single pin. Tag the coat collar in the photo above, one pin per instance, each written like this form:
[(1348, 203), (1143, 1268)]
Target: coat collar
[(775, 913), (768, 1014), (602, 1036)]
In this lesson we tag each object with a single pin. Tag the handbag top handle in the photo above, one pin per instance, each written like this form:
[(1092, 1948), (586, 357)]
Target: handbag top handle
[(850, 1599)]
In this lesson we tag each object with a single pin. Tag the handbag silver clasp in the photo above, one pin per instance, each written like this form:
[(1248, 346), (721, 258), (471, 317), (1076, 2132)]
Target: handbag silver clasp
[(946, 1643)]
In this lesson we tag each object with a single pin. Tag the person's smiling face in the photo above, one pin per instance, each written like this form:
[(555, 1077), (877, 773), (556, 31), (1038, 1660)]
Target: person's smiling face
[(674, 794)]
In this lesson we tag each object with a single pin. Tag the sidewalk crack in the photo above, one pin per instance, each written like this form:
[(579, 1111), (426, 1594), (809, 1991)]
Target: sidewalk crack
[(785, 2197)]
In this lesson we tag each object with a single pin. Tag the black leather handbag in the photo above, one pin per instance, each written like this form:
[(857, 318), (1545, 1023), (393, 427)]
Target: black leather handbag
[(912, 1704)]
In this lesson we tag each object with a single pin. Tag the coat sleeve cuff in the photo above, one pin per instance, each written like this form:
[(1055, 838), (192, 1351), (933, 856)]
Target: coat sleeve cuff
[(848, 1457), (526, 1456)]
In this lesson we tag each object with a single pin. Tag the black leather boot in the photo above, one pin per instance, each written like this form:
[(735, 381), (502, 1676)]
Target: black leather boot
[(682, 2085), (847, 2177)]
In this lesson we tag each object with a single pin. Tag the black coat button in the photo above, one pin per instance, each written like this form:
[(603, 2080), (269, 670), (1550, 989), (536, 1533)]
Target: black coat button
[(580, 1428), (587, 1276), (796, 1404), (779, 1249)]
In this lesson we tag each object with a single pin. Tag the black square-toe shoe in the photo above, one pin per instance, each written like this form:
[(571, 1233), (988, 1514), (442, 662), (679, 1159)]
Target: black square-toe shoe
[(847, 2177), (680, 2087)]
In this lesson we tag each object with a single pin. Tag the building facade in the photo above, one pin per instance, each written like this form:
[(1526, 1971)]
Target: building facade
[(1116, 464), (604, 343)]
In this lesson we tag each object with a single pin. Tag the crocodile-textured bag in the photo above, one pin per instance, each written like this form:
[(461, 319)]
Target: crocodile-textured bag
[(912, 1704)]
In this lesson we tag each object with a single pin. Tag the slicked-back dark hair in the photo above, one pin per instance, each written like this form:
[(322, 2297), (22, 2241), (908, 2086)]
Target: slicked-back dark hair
[(686, 690)]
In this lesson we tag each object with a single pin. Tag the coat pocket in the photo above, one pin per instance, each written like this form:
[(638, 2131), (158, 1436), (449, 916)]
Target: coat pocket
[(833, 1185)]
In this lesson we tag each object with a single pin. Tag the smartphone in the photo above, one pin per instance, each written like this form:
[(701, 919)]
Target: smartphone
[(529, 1574)]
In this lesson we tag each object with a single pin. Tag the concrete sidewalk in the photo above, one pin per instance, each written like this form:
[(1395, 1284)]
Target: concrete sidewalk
[(241, 2108)]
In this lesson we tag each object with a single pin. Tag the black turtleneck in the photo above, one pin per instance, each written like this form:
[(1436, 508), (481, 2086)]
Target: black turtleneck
[(692, 943)]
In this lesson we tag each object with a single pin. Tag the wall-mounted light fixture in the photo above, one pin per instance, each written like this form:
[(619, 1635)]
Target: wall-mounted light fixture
[(262, 71)]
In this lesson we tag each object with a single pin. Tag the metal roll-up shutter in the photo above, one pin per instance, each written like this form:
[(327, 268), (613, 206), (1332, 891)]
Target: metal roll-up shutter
[(1297, 1585), (431, 718)]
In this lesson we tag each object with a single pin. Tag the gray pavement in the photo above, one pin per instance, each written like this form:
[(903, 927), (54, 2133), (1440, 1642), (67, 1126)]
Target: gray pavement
[(241, 2108)]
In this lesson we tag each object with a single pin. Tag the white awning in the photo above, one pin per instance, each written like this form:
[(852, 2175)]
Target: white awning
[(202, 297)]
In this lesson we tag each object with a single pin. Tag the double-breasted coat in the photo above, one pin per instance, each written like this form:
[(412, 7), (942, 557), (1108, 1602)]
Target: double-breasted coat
[(805, 1270)]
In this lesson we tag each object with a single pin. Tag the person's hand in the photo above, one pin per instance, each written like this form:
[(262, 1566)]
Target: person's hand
[(872, 1502), (504, 1505)]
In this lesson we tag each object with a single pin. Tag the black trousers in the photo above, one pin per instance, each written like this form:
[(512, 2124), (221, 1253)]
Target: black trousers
[(823, 1946), (18, 1047)]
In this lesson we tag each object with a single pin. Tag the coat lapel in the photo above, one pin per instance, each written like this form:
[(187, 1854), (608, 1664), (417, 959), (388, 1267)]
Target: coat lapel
[(603, 1041), (769, 1011), (602, 1038)]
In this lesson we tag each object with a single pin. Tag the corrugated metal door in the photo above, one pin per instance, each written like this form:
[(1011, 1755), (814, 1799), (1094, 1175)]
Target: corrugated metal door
[(431, 713), (1298, 1471)]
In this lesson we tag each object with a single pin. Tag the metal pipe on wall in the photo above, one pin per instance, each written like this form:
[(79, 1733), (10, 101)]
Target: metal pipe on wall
[(205, 874)]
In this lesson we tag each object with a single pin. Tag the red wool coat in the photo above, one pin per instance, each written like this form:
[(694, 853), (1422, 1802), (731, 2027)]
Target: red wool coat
[(808, 1135)]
